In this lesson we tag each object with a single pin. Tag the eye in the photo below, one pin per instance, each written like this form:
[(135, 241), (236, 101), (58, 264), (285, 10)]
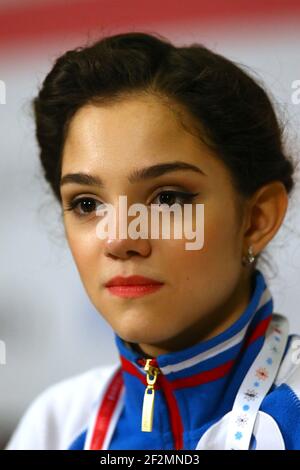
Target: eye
[(169, 197), (87, 204)]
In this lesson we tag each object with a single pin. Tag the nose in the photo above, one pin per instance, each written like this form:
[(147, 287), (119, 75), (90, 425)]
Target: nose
[(127, 247)]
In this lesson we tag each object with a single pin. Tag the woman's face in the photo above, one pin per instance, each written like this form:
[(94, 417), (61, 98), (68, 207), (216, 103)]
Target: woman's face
[(203, 290)]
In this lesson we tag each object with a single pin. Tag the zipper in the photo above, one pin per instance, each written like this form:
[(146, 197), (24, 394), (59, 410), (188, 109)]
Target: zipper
[(149, 396), (155, 375)]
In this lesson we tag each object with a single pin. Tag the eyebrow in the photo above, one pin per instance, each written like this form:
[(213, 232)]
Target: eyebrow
[(141, 174)]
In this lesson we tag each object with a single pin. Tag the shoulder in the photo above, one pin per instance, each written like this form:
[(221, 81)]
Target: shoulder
[(60, 412)]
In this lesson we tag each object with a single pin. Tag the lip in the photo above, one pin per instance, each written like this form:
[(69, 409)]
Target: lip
[(132, 286), (132, 281)]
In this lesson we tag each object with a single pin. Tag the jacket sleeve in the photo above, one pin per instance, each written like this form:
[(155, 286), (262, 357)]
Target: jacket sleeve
[(33, 431), (60, 413)]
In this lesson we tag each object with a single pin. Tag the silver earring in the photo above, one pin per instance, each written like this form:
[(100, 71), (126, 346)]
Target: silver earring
[(249, 257)]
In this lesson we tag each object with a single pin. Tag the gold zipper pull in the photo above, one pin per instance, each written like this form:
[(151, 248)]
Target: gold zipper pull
[(148, 404)]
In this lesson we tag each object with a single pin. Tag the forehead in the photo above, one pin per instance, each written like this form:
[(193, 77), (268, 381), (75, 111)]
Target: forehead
[(136, 131)]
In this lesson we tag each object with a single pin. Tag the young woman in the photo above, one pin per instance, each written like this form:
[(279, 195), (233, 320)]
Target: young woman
[(205, 361)]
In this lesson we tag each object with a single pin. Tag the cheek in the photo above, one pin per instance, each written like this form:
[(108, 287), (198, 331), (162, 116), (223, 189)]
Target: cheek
[(84, 247), (218, 253), (220, 233)]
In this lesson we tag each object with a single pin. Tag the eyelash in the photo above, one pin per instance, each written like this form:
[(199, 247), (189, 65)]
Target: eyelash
[(184, 196)]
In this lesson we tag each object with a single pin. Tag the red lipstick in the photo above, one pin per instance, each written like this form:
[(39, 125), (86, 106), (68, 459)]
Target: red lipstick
[(132, 286)]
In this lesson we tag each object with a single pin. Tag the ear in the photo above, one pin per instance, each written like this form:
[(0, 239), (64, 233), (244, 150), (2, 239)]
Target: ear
[(265, 214)]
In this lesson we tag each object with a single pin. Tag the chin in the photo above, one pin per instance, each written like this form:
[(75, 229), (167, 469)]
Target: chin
[(139, 336), (134, 337)]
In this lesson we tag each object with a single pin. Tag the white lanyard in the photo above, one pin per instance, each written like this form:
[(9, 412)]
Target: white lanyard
[(256, 385), (241, 419)]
